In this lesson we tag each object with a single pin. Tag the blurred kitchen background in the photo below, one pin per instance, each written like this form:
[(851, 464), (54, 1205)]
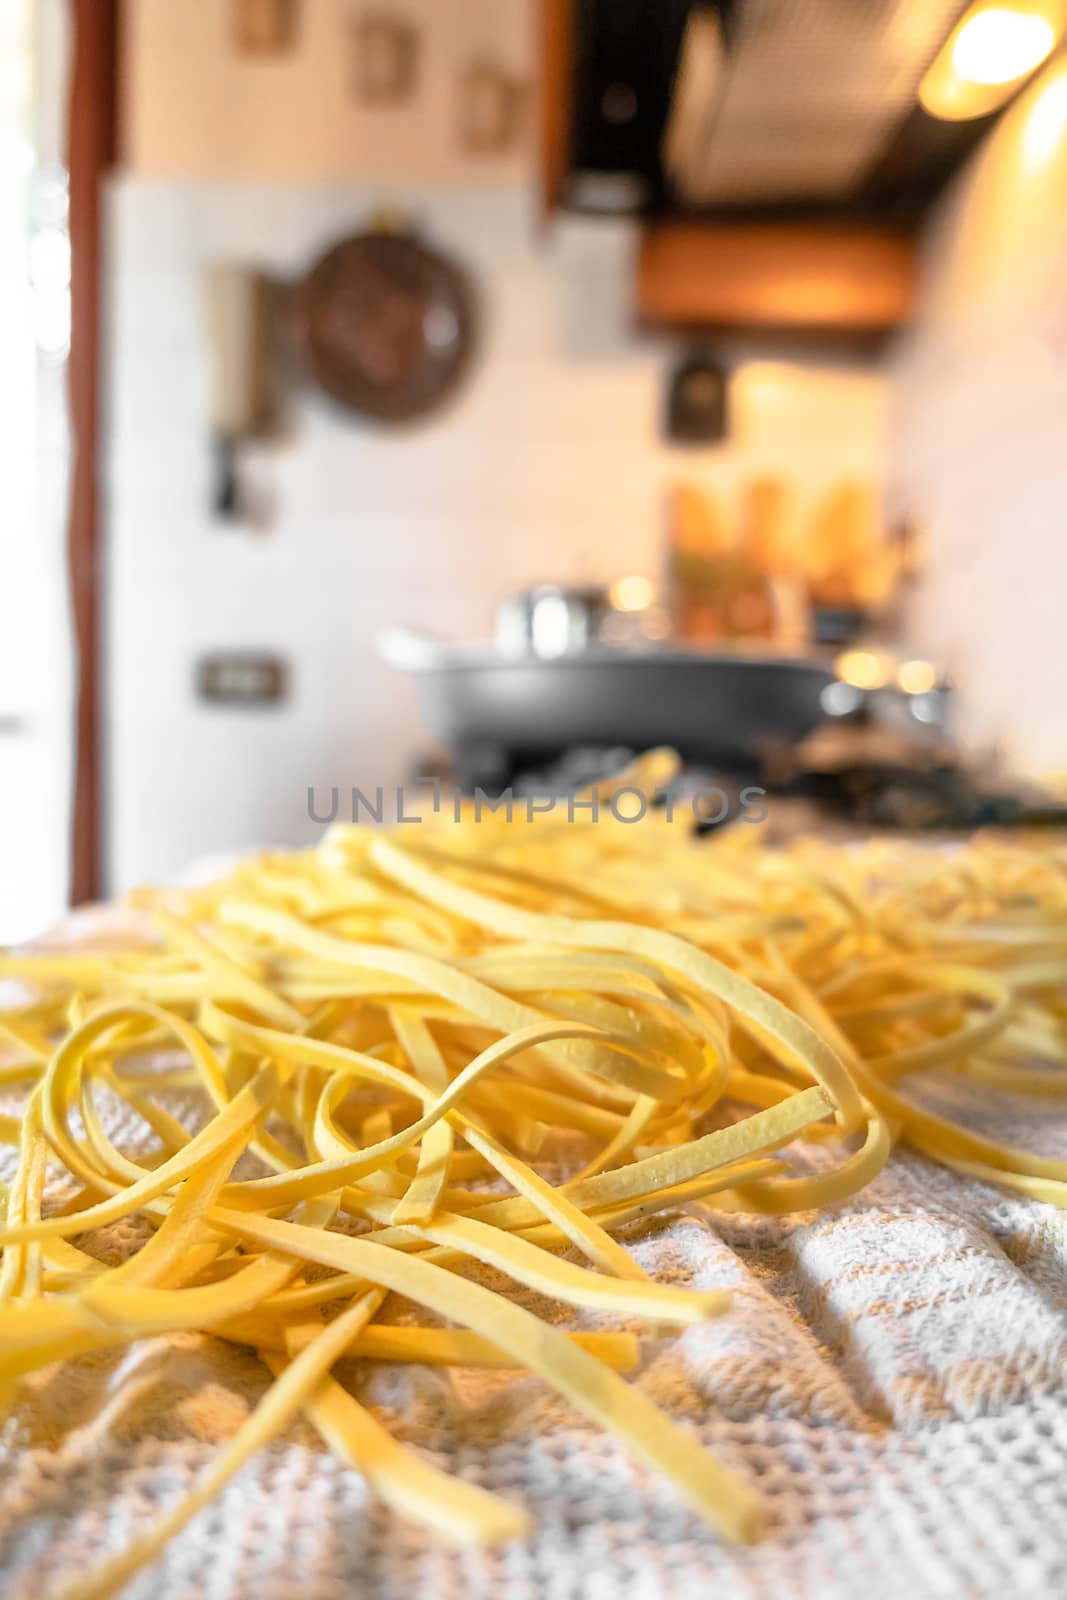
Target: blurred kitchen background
[(482, 387)]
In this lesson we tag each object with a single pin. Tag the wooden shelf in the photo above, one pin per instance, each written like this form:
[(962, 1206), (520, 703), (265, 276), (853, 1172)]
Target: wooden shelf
[(786, 277)]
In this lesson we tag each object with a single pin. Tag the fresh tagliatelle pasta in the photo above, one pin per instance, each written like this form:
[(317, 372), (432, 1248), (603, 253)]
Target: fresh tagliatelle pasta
[(495, 1043)]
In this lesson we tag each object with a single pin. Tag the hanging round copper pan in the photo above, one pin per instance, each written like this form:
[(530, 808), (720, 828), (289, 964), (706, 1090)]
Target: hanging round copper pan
[(385, 325)]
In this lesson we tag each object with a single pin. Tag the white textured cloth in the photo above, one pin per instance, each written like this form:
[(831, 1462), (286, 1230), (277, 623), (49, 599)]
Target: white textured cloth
[(892, 1376)]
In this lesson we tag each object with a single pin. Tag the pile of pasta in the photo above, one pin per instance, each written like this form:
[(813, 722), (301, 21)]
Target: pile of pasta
[(495, 1044)]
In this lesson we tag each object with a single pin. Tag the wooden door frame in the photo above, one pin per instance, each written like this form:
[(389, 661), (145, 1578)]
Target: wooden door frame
[(555, 40), (91, 152)]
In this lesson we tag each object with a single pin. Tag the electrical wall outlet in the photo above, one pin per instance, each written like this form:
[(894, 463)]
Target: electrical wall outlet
[(242, 678)]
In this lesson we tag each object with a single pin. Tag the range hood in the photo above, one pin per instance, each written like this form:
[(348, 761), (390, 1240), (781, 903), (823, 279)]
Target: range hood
[(748, 108), (795, 102)]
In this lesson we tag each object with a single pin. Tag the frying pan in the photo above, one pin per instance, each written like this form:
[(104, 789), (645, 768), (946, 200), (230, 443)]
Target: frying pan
[(723, 709)]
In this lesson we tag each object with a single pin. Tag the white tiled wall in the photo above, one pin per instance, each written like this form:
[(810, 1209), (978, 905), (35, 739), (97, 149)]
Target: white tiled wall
[(980, 432), (548, 466)]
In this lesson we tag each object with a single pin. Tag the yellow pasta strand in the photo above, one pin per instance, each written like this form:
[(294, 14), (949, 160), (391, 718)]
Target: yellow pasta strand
[(483, 1045)]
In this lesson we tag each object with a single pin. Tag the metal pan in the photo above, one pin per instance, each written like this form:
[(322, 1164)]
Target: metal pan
[(722, 709)]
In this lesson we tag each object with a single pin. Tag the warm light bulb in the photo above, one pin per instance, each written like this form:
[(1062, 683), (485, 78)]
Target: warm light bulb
[(999, 45), (861, 668), (916, 677), (633, 593)]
